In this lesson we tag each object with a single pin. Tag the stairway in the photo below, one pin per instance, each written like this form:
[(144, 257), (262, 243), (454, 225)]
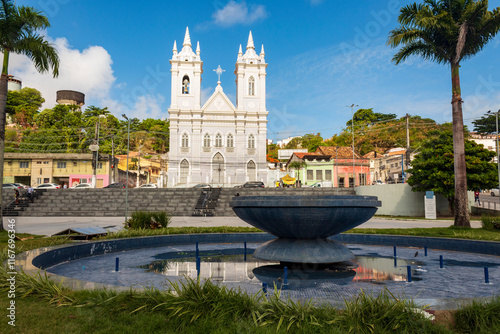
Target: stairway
[(207, 202)]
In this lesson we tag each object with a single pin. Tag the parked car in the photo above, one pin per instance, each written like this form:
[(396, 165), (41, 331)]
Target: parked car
[(202, 185), (82, 186), (149, 185), (48, 186), (12, 186), (254, 184), (378, 183), (322, 184), (494, 192), (116, 185)]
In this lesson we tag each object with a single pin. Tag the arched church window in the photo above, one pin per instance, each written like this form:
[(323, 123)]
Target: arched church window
[(251, 86), (185, 85), (218, 140), (206, 140), (230, 140), (251, 141), (185, 140)]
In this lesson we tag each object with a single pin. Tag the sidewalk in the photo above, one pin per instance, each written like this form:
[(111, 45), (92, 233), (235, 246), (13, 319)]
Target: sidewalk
[(52, 225)]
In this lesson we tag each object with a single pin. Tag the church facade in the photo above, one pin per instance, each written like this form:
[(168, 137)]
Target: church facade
[(217, 143)]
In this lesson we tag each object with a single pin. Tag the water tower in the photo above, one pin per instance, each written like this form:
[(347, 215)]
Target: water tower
[(70, 97), (14, 84)]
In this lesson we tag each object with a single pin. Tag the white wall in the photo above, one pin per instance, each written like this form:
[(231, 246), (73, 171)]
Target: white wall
[(399, 200)]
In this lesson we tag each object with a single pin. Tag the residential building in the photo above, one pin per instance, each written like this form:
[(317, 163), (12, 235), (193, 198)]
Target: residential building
[(61, 168), (487, 140), (331, 163)]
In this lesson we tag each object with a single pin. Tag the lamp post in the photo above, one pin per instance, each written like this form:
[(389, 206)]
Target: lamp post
[(352, 130), (128, 149), (95, 148), (498, 150)]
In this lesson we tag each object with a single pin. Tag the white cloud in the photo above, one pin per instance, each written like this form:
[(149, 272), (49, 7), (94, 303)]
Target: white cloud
[(239, 13), (88, 71), (146, 106)]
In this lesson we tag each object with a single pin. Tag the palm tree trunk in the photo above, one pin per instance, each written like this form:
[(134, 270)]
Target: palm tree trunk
[(461, 202), (3, 102)]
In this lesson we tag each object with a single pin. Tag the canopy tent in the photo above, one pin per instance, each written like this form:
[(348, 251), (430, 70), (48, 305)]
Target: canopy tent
[(287, 179)]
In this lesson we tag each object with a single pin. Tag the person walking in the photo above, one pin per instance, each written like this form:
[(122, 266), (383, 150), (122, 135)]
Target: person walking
[(476, 197), (30, 193), (16, 195)]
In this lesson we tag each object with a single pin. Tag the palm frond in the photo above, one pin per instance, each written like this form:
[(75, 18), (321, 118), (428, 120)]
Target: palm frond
[(41, 52)]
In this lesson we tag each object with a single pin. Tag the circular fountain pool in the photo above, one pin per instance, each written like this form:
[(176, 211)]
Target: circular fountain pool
[(223, 260)]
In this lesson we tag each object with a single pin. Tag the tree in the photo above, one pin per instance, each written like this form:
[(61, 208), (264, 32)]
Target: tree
[(20, 33), (447, 32), (297, 165), (364, 117), (486, 124), (433, 168), (23, 105)]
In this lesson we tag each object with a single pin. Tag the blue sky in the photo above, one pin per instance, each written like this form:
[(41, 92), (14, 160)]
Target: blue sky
[(323, 55)]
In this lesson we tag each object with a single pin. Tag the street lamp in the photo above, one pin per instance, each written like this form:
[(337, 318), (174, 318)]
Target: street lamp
[(128, 149), (352, 130), (498, 155)]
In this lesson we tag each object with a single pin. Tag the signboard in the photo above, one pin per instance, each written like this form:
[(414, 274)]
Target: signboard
[(94, 148), (430, 205)]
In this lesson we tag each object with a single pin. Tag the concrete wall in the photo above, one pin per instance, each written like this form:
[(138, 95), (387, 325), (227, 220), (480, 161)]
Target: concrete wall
[(399, 200)]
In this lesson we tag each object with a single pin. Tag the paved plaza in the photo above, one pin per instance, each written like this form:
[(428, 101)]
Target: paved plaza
[(52, 225)]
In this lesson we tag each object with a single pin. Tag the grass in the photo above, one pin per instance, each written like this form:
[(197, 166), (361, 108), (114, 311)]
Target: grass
[(194, 307), (199, 307)]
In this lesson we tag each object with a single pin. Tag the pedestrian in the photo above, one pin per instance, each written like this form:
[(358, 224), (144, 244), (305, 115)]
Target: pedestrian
[(30, 193), (476, 197), (16, 195), (65, 186)]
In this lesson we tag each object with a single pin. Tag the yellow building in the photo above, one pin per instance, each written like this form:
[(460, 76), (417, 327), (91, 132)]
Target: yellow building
[(60, 168)]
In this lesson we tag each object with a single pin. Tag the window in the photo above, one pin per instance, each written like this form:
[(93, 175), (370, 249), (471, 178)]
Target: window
[(206, 140), (310, 175), (328, 175), (362, 179), (319, 175), (185, 140), (24, 164), (251, 86), (251, 169), (230, 140), (46, 180), (184, 171), (251, 141), (38, 162), (75, 163), (99, 165), (218, 140), (61, 164), (45, 162), (185, 85)]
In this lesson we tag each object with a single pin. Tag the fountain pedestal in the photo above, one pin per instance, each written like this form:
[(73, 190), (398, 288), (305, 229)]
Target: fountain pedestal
[(303, 223)]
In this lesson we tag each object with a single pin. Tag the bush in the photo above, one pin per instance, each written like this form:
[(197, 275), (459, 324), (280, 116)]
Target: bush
[(490, 223), (148, 220)]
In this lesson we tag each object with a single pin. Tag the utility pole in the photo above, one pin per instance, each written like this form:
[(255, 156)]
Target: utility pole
[(352, 130), (139, 166), (407, 145), (96, 156)]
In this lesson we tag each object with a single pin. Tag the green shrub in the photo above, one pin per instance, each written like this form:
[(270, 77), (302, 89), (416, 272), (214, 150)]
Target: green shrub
[(479, 317), (490, 223), (148, 220)]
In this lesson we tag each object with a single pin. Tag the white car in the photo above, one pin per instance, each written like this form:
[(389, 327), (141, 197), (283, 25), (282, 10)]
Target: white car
[(148, 185), (494, 192), (82, 186), (48, 186)]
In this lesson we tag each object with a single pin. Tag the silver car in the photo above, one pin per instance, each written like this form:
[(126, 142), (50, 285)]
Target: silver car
[(148, 185)]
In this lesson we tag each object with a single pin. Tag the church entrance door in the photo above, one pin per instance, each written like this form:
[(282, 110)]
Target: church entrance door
[(184, 171), (251, 171), (218, 169)]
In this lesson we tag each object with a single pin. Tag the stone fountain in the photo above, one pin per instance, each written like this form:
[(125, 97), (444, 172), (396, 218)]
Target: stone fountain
[(303, 224)]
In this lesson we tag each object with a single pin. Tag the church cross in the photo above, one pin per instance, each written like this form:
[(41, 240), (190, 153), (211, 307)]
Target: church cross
[(219, 71)]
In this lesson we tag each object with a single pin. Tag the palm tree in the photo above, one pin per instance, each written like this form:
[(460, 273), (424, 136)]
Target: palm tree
[(297, 165), (19, 33), (447, 32)]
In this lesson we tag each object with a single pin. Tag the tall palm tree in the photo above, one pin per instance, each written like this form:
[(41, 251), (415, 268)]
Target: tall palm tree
[(447, 32), (19, 33)]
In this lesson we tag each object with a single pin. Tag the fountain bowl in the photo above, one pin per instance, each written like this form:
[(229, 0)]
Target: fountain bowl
[(305, 216)]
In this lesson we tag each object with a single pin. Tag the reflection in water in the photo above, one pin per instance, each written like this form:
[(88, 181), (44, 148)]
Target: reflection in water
[(229, 265)]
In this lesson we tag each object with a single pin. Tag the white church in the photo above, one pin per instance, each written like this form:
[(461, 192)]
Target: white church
[(218, 143)]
